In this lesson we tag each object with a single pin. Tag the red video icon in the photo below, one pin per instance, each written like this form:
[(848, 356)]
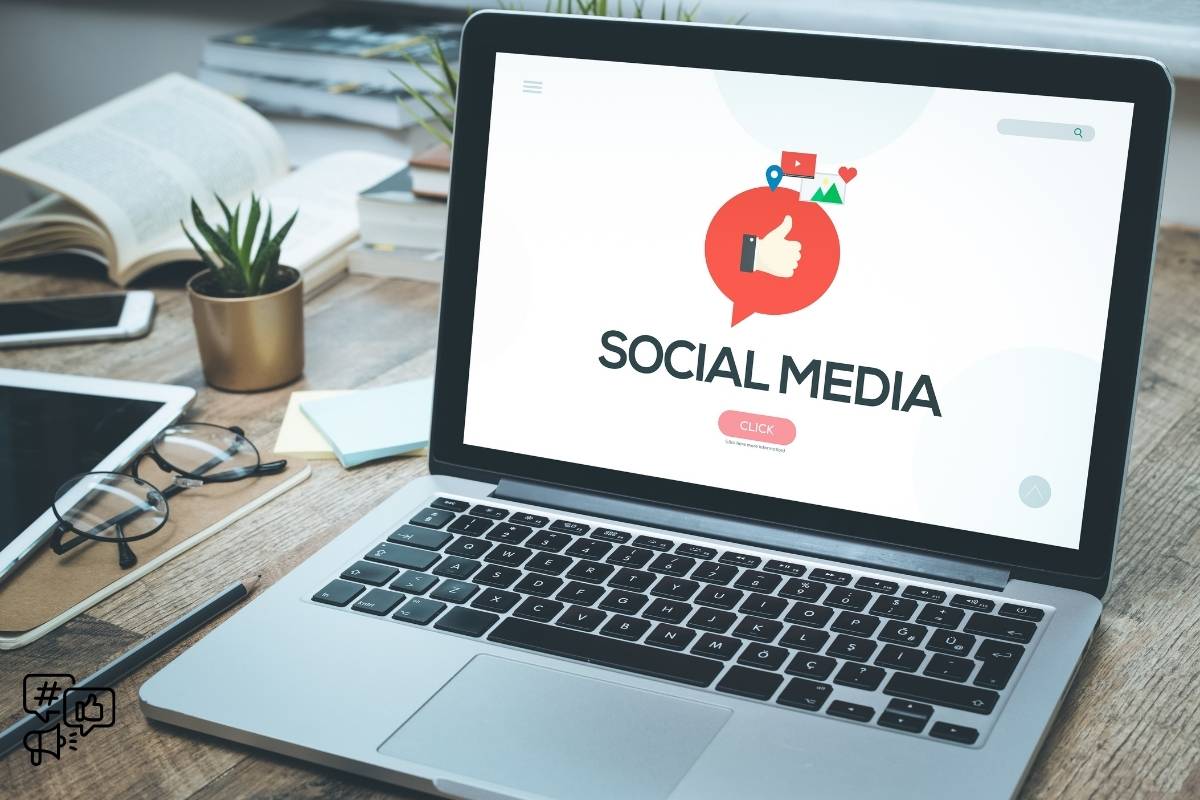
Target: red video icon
[(798, 165)]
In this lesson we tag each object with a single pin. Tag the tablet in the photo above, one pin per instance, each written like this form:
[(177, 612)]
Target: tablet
[(56, 426)]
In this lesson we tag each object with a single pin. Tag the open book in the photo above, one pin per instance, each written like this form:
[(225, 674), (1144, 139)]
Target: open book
[(120, 178)]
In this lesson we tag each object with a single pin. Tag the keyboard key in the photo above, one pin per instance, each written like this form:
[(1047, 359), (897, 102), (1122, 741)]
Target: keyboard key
[(903, 633), (877, 585), (496, 600), (851, 648), (714, 646), (508, 556), (466, 621), (923, 593), (419, 610), (339, 593), (719, 597), (627, 556), (605, 651), (941, 693), (829, 576), (548, 563), (893, 656), (467, 547), (860, 676), (674, 588), (420, 537), (809, 591), (759, 630), (549, 541), (491, 512), (806, 665), (509, 533), (454, 591), (752, 683), (1020, 612), (951, 668), (538, 609), (894, 607), (754, 581), (854, 711), (810, 615), (653, 543), (805, 694), (763, 656), (590, 571), (624, 602), (950, 642), (806, 639), (581, 594), (581, 619), (741, 560), (401, 555), (456, 567), (540, 585), (592, 549), (632, 579), (858, 624), (413, 582), (671, 636), (1012, 630), (665, 610), (451, 504), (905, 715), (712, 619), (500, 577), (433, 518), (954, 733), (712, 572), (671, 564), (366, 572), (566, 526), (696, 551), (999, 662), (783, 567), (852, 599), (972, 603), (470, 526), (623, 627), (532, 520), (941, 616), (610, 535), (763, 605)]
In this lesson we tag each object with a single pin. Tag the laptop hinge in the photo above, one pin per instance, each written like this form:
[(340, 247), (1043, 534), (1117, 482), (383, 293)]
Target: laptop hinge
[(775, 537)]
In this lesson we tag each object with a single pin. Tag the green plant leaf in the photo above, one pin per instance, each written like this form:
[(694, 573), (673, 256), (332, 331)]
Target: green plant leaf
[(251, 228), (200, 251), (216, 243)]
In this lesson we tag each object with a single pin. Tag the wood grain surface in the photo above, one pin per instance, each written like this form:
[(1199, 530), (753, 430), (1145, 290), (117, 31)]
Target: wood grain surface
[(1129, 728)]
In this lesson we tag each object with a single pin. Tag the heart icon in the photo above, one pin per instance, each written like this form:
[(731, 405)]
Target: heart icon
[(847, 173)]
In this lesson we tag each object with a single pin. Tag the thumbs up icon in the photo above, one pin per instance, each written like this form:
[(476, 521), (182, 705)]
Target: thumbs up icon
[(773, 253)]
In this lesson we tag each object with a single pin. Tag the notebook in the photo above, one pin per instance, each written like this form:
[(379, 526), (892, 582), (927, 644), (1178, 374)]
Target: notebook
[(297, 436), (374, 423)]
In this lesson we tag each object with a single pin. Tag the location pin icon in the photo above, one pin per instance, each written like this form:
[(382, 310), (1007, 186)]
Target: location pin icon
[(774, 176)]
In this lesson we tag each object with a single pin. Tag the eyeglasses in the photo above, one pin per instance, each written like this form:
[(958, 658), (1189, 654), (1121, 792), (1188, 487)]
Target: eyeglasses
[(123, 508)]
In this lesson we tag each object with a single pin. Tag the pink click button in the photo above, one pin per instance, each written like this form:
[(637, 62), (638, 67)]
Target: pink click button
[(758, 427)]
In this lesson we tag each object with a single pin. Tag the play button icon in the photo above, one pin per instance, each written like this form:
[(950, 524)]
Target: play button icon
[(798, 165)]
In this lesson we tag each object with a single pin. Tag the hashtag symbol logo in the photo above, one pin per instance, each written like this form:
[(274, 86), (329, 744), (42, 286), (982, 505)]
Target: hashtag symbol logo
[(47, 693)]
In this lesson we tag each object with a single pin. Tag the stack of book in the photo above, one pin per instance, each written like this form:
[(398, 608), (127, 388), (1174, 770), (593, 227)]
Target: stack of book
[(341, 63), (402, 221)]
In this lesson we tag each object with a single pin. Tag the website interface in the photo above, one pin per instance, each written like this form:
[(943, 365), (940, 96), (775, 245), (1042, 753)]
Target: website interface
[(883, 298)]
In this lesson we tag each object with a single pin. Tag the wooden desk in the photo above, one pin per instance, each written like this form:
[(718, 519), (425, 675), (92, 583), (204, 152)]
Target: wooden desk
[(1129, 728)]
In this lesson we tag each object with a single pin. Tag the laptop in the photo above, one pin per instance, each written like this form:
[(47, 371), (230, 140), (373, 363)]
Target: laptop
[(782, 402)]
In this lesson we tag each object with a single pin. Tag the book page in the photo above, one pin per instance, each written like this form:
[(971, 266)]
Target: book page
[(136, 161)]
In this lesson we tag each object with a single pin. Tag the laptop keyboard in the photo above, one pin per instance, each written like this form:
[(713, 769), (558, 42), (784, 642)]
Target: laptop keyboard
[(910, 658)]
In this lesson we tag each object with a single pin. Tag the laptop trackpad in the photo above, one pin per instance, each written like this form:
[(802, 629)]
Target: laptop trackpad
[(555, 734)]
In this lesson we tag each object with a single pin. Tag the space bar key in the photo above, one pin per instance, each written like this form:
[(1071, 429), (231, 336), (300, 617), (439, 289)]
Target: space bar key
[(606, 652)]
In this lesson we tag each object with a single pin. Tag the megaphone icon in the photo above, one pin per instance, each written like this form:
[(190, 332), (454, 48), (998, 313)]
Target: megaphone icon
[(48, 741)]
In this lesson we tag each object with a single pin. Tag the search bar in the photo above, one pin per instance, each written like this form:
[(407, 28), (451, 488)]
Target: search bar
[(1065, 131)]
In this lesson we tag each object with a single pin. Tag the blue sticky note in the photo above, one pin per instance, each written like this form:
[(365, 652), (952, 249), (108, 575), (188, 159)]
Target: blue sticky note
[(374, 423)]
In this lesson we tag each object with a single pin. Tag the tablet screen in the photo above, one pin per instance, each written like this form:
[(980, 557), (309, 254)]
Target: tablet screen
[(48, 436)]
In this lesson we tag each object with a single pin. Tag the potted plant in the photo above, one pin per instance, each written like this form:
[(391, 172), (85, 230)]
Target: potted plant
[(248, 308)]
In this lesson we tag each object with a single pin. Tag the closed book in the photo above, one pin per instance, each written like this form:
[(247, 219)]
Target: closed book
[(389, 261), (431, 172), (389, 213)]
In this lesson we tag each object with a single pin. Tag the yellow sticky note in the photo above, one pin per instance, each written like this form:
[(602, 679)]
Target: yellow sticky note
[(297, 436)]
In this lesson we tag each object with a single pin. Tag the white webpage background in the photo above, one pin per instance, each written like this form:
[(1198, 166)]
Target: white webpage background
[(984, 261)]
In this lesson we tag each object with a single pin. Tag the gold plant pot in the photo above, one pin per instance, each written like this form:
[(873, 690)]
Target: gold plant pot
[(248, 344)]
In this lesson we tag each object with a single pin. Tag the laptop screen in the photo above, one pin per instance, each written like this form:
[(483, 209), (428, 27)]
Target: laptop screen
[(881, 298)]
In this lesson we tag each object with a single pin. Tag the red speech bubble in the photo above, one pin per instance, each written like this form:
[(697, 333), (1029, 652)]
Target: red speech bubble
[(758, 212)]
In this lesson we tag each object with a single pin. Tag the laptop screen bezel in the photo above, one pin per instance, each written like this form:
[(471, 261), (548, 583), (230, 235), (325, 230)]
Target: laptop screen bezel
[(1142, 82)]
